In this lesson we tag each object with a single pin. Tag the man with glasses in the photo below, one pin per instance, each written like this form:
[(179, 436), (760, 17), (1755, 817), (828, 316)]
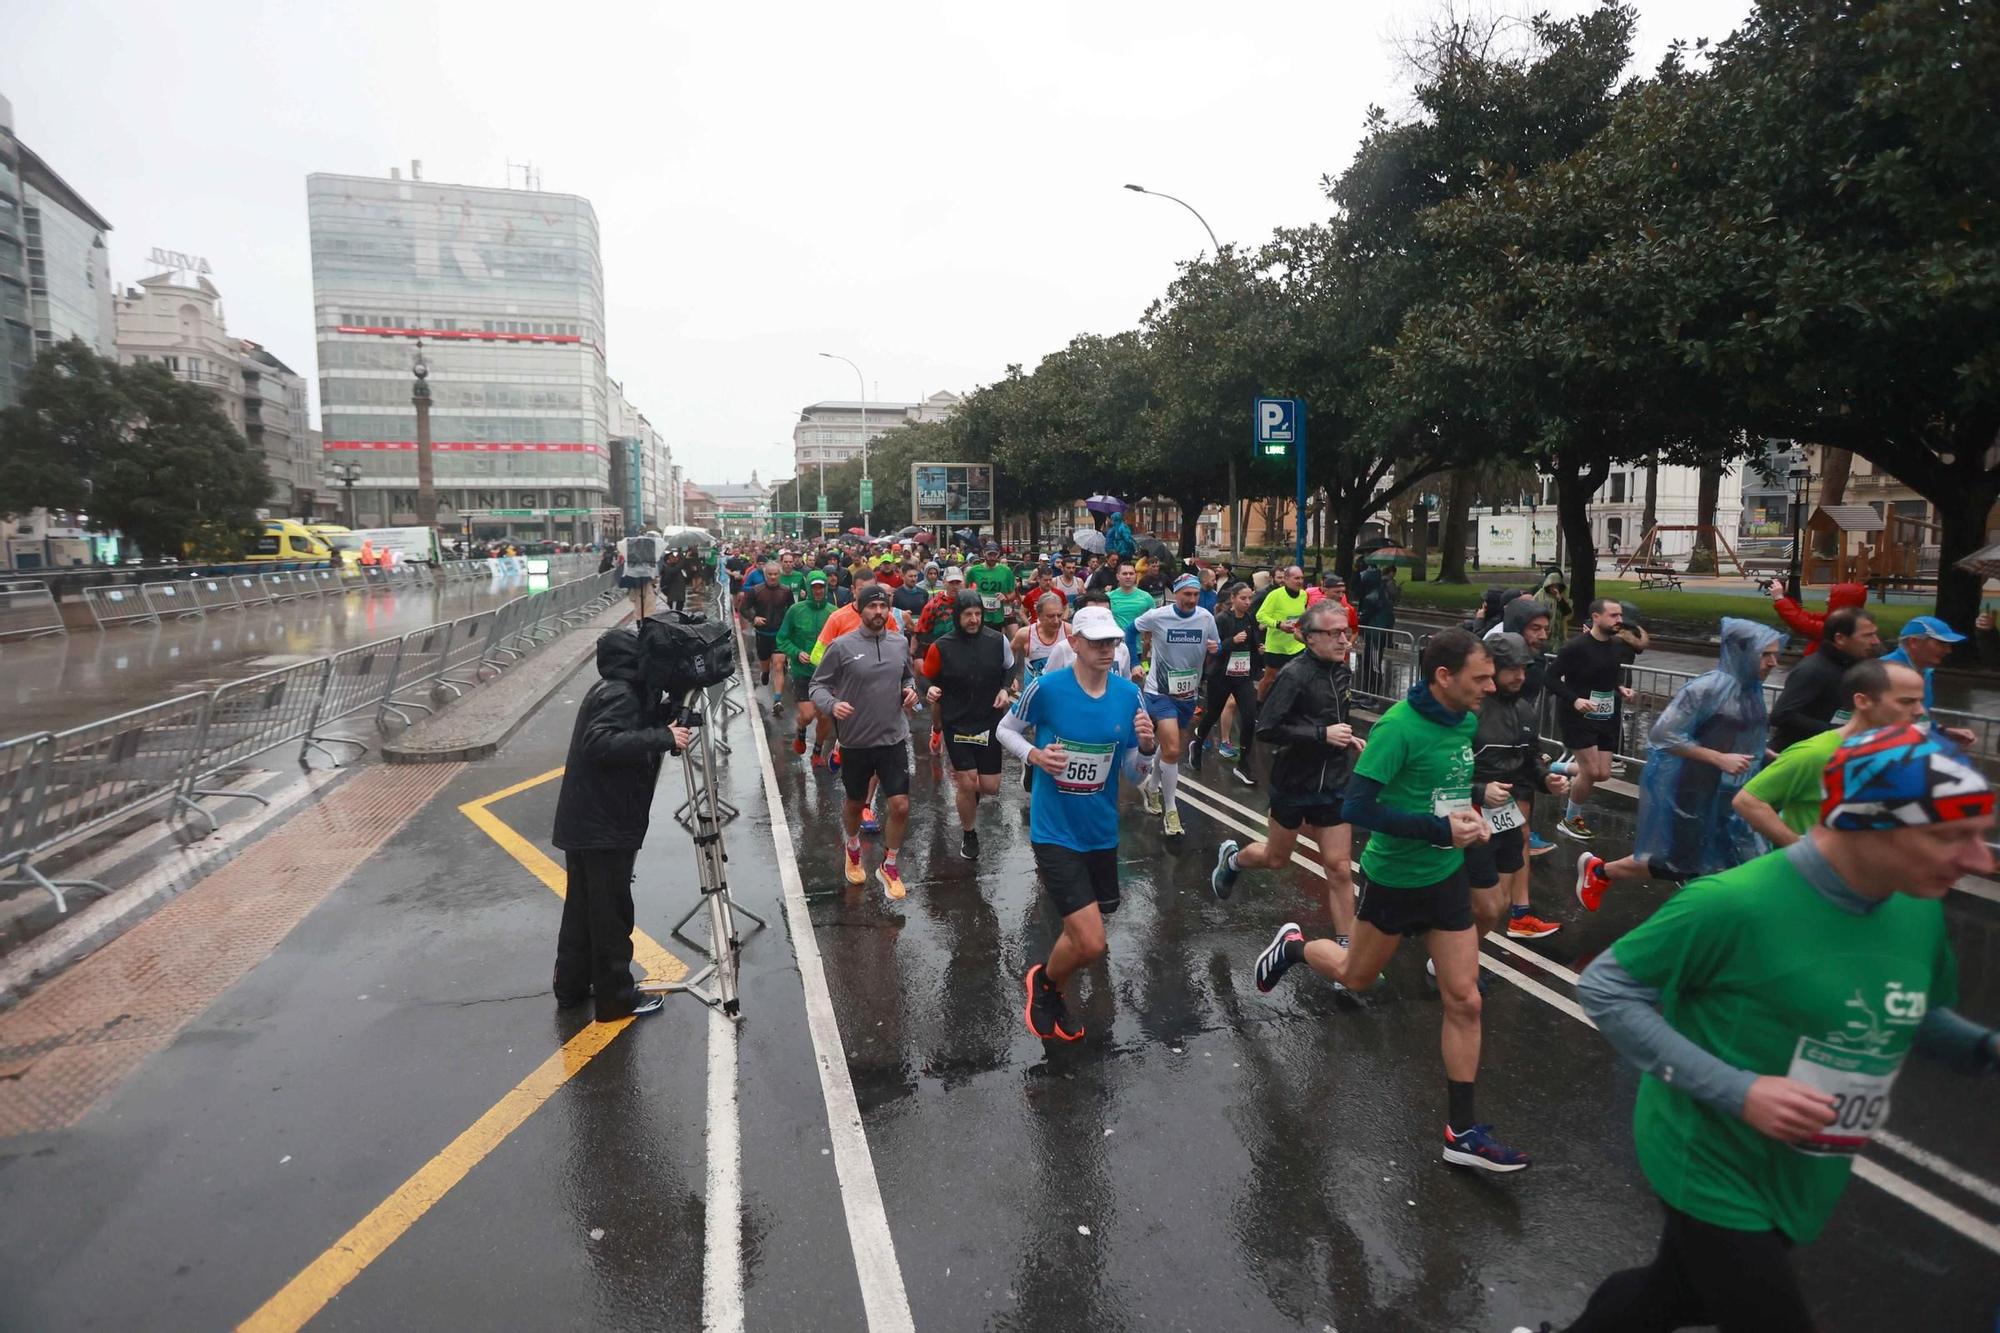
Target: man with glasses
[(1306, 718)]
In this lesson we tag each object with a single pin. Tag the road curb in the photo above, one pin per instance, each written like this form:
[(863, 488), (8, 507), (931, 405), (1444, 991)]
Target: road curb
[(492, 714)]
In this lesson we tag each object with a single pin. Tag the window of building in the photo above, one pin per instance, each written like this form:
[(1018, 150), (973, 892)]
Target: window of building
[(1618, 488)]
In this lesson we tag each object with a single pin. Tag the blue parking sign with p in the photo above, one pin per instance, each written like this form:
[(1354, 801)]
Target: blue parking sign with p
[(1277, 426)]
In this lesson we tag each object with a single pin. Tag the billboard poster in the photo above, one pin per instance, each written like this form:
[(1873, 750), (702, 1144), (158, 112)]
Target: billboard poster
[(951, 493)]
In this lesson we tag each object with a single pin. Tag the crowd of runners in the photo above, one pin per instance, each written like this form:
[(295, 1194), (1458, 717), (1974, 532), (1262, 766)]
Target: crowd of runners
[(1769, 999)]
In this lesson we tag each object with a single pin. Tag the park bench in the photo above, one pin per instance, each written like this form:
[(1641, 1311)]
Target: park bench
[(1658, 576)]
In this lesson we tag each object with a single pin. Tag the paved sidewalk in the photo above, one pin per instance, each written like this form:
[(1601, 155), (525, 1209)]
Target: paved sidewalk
[(74, 1039)]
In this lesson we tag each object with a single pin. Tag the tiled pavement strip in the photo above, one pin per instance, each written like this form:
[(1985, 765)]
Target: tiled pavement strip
[(74, 1039)]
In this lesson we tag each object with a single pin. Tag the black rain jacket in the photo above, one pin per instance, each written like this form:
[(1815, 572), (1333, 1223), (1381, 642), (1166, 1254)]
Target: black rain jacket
[(614, 755)]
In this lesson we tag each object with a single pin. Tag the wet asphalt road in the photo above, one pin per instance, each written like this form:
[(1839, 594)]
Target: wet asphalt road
[(67, 680), (1238, 1161)]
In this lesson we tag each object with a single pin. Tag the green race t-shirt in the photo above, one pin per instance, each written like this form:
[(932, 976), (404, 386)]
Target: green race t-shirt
[(1424, 767), (1758, 967), (991, 585), (1127, 607), (796, 581), (1790, 784)]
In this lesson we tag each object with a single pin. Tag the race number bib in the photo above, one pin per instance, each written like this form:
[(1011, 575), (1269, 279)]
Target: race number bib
[(1182, 684), (1444, 805), (990, 600), (1859, 1083), (976, 738), (1503, 818), (1088, 769), (1841, 718), (1603, 703), (1239, 664)]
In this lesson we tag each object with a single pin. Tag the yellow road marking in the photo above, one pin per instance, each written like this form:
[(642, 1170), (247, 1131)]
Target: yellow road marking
[(325, 1277), (659, 963)]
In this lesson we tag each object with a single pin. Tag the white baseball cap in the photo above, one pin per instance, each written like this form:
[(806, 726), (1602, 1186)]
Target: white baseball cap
[(1094, 622), (954, 575)]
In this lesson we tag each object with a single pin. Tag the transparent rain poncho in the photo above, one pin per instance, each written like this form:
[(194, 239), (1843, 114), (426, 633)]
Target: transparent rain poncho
[(1687, 825)]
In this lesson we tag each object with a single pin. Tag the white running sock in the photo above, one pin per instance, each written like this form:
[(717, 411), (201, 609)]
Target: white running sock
[(1170, 780)]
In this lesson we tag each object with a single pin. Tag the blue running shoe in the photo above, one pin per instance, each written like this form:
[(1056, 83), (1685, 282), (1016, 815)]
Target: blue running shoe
[(1226, 750), (1222, 880), (1538, 845), (1477, 1147), (1276, 960)]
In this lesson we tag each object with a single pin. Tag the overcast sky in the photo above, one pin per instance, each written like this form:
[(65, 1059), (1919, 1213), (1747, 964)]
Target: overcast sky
[(931, 190)]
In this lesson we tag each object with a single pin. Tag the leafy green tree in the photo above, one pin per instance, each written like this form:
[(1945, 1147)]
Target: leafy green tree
[(1494, 99), (1798, 241), (135, 449)]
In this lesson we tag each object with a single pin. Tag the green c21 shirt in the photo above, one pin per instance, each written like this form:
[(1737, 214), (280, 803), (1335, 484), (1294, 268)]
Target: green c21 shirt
[(1424, 767), (1758, 967), (992, 584), (1791, 784)]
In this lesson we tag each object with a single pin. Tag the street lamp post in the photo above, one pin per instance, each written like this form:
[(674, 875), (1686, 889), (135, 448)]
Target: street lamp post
[(345, 475), (420, 398), (1801, 478), (866, 526), (1235, 528)]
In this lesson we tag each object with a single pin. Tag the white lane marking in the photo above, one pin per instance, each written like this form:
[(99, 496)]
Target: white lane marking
[(1979, 888), (1536, 989), (883, 1297), (1545, 964), (1923, 1200), (1938, 1166), (722, 1269)]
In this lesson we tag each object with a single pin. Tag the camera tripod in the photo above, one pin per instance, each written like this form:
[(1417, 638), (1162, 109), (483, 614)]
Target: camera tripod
[(703, 814)]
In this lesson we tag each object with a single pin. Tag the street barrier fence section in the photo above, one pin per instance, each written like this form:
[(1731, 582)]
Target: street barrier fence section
[(28, 610), (56, 787)]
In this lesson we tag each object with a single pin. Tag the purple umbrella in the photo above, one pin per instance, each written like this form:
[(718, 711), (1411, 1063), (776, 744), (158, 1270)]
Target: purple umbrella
[(1104, 504)]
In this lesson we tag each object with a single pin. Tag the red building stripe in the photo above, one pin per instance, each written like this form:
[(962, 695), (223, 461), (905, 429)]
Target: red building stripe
[(465, 335), (472, 446)]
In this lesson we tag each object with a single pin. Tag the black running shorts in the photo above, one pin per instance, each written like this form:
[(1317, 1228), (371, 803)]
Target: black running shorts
[(1501, 854), (1320, 809), (1445, 905), (1584, 733), (973, 751), (1076, 879), (767, 646), (889, 765)]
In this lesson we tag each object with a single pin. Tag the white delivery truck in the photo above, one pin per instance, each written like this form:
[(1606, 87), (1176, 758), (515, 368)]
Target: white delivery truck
[(387, 546)]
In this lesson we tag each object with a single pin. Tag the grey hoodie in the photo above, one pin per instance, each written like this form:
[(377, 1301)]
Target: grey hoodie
[(1514, 620), (870, 671)]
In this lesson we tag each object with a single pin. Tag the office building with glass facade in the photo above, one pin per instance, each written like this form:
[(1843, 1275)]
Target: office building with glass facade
[(505, 290)]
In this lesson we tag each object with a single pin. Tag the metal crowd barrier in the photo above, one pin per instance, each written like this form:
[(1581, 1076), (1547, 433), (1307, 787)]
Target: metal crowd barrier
[(172, 599), (248, 717), (58, 786), (28, 609), (357, 679), (118, 606), (96, 774), (418, 663), (1383, 664)]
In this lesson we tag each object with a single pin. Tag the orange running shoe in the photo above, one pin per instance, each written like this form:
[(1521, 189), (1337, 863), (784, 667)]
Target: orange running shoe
[(1528, 926), (1591, 881)]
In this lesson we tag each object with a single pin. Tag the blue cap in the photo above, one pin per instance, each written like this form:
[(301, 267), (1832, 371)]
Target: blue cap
[(1930, 627), (1186, 581)]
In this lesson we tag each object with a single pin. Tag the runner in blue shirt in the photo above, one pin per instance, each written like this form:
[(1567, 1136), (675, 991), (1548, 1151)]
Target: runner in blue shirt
[(1923, 646), (1091, 729)]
